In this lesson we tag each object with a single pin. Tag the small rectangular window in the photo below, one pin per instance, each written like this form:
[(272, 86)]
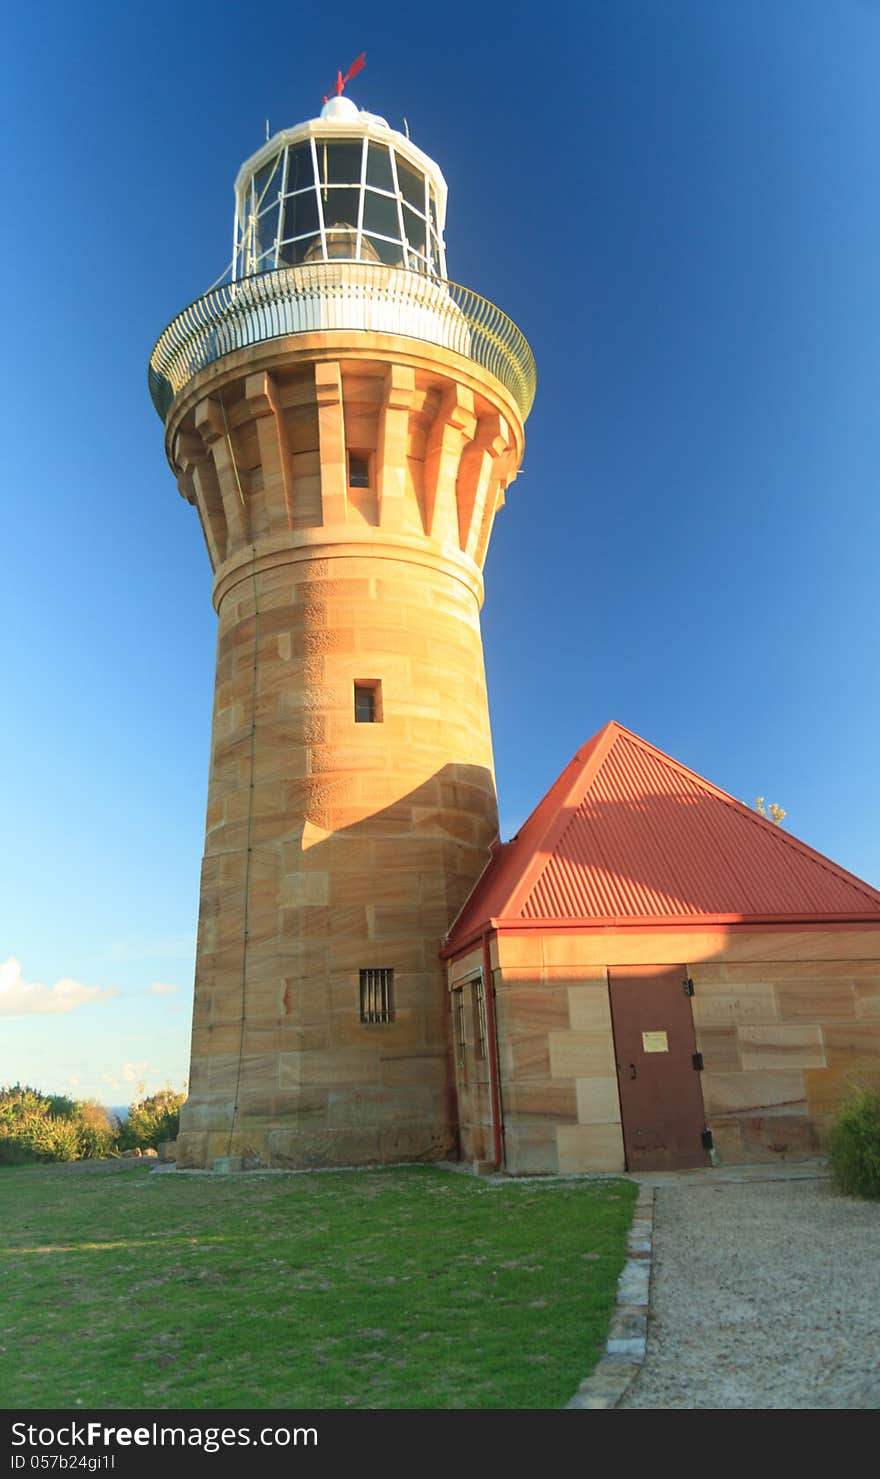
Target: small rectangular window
[(367, 702), (478, 1007), (458, 1031), (377, 996), (358, 470)]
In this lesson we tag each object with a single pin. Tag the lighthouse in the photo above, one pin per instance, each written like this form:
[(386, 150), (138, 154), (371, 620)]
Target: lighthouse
[(345, 420)]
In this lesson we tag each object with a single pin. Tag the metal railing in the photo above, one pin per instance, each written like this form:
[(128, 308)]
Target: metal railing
[(340, 295)]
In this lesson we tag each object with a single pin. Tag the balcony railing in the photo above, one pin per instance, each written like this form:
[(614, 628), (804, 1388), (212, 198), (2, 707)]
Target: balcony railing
[(340, 295)]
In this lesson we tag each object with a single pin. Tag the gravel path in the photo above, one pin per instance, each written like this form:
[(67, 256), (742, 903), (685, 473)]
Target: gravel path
[(764, 1295)]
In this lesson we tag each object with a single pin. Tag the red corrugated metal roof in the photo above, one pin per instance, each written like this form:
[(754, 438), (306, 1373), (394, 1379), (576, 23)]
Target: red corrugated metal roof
[(627, 835)]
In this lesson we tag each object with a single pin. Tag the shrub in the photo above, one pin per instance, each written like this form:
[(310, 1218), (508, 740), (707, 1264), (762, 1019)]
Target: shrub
[(20, 1101), (854, 1145), (152, 1120), (95, 1133), (24, 1132), (51, 1138), (41, 1137), (12, 1151), (51, 1127)]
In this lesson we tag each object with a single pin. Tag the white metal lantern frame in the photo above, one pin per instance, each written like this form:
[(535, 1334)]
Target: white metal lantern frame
[(346, 188)]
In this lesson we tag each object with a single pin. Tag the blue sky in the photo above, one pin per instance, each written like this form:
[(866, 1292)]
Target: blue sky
[(678, 201)]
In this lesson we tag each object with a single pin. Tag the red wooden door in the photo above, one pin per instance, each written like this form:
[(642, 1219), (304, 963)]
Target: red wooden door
[(661, 1098)]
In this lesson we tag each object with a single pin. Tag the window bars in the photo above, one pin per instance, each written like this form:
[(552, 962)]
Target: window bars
[(377, 999)]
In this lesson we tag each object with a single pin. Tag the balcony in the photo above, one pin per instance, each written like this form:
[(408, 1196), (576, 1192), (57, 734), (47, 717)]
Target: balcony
[(347, 296)]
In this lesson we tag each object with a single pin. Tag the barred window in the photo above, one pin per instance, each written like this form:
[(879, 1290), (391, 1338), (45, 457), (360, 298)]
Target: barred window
[(377, 996)]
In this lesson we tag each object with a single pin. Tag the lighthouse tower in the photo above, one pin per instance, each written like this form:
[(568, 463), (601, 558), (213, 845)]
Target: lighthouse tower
[(345, 421)]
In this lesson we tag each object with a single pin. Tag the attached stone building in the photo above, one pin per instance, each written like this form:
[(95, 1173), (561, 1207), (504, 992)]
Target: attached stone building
[(674, 979)]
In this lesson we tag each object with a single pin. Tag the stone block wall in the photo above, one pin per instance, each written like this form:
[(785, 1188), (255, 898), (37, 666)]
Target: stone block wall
[(335, 845), (782, 1043), (558, 1083), (787, 1021)]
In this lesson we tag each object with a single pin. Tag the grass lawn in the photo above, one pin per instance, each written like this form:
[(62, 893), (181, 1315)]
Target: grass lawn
[(409, 1287)]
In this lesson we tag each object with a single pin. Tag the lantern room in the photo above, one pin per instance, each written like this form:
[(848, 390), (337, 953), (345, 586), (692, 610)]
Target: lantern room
[(341, 187)]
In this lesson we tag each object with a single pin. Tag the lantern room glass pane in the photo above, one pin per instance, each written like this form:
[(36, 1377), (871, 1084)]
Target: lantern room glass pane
[(379, 167), (389, 252), (310, 250), (414, 227), (300, 214), (412, 186), (339, 164), (293, 252), (380, 214), (340, 207), (299, 168), (341, 243), (267, 181), (267, 230)]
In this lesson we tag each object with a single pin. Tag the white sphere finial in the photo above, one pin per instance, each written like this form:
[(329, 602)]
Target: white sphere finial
[(340, 107)]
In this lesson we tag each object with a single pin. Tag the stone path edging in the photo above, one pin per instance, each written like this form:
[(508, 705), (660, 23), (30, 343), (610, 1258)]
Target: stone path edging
[(628, 1331)]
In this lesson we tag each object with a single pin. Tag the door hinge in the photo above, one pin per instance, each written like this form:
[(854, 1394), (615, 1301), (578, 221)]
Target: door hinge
[(708, 1142), (697, 1061), (688, 987)]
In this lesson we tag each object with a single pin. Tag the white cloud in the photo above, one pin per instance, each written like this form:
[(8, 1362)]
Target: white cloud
[(21, 998), (161, 988)]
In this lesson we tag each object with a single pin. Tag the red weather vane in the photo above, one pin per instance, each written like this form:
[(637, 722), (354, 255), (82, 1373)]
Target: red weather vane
[(357, 64)]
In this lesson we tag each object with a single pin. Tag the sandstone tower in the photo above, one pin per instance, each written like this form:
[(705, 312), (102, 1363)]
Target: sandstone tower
[(345, 421)]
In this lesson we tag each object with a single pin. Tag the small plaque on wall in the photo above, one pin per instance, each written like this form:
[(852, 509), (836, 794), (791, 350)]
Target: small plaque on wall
[(655, 1042)]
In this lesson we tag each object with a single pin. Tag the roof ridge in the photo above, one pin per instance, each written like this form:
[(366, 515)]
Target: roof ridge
[(597, 748)]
